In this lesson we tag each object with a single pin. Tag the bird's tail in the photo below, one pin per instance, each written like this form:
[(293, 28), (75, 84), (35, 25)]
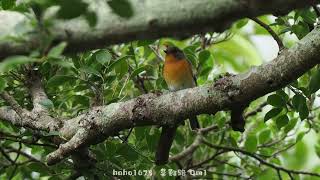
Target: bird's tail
[(164, 144), (237, 120), (194, 123)]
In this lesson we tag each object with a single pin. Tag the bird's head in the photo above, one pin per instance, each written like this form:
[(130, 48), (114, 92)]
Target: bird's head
[(174, 51)]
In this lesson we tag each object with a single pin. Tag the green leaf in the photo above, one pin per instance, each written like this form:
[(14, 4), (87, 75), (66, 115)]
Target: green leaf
[(280, 21), (47, 103), (139, 70), (300, 136), (71, 9), (308, 16), (90, 70), (60, 62), (103, 56), (242, 23), (57, 50), (78, 99), (3, 84), (122, 8), (91, 18), (204, 56), (234, 137), (150, 137), (276, 100), (121, 68), (297, 100), (7, 4), (127, 152), (59, 80), (139, 133), (192, 59), (251, 143), (233, 142), (314, 85), (272, 113), (264, 136), (283, 94), (301, 29), (11, 62), (292, 123), (221, 122), (116, 62), (303, 111), (145, 42), (299, 104), (282, 121), (317, 149)]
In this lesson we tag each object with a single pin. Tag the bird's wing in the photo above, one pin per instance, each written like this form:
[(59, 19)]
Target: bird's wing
[(192, 71)]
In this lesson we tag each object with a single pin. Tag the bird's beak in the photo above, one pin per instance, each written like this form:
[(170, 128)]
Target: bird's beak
[(166, 48)]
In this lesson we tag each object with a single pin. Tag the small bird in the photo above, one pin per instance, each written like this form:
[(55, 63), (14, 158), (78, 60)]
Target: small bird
[(178, 75)]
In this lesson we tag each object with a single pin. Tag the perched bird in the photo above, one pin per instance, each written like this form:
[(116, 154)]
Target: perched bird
[(178, 75)]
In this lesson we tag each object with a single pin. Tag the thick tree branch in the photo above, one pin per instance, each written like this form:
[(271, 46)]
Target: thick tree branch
[(30, 120), (151, 20), (156, 109), (36, 91), (9, 115)]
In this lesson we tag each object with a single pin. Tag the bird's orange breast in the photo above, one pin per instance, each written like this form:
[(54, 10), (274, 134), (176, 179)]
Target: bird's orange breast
[(178, 73)]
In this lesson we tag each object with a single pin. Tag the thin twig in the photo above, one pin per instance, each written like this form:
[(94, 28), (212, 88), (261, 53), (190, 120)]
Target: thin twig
[(29, 142), (279, 174), (15, 162), (255, 111), (194, 146), (159, 57), (13, 103), (209, 159), (272, 33), (6, 156)]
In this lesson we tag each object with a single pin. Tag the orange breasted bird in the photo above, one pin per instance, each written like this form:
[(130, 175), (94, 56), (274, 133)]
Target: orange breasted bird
[(178, 75)]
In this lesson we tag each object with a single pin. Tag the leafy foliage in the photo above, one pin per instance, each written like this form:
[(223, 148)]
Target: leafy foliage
[(284, 132)]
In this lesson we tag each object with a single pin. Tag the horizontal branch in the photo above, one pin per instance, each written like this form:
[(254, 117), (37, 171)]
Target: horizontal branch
[(151, 19), (168, 109)]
